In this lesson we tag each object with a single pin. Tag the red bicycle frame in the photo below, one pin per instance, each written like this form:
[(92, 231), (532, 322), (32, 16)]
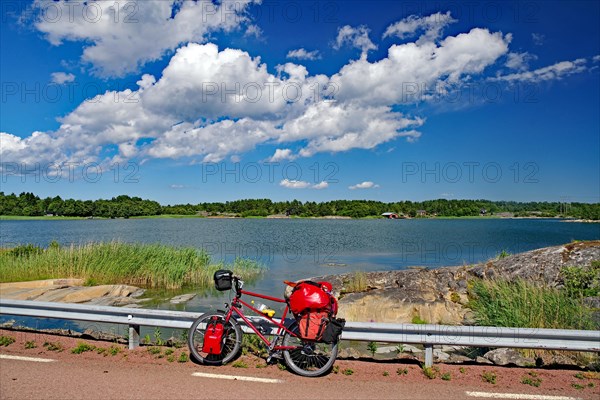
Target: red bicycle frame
[(235, 307)]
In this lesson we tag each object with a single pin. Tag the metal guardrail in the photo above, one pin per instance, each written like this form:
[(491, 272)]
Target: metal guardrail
[(427, 335)]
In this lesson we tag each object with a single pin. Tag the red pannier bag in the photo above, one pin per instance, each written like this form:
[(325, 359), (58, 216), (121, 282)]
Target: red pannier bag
[(314, 308), (312, 324), (213, 336)]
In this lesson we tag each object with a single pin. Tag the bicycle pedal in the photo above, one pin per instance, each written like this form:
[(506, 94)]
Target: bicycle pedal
[(273, 358)]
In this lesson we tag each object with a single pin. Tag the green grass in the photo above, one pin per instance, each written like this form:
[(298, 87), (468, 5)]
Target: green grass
[(418, 321), (239, 364), (531, 379), (82, 347), (347, 371), (145, 265), (525, 305), (30, 345), (372, 347), (50, 346), (183, 358), (489, 377), (429, 372), (356, 283), (6, 340)]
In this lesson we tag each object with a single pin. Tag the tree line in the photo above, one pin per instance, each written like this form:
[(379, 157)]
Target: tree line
[(28, 204)]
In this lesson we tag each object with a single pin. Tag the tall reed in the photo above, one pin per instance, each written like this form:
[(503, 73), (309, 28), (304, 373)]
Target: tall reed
[(523, 304), (145, 265)]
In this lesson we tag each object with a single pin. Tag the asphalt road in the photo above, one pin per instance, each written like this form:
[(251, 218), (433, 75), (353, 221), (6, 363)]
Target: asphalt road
[(104, 379), (143, 374)]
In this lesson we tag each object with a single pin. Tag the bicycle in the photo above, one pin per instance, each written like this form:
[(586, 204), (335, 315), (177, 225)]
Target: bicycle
[(304, 357)]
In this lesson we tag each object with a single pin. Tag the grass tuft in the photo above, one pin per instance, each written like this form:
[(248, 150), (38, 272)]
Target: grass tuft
[(145, 265), (6, 340), (489, 377), (526, 305), (82, 347), (356, 283)]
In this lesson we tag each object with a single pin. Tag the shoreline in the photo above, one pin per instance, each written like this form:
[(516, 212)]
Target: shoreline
[(279, 217)]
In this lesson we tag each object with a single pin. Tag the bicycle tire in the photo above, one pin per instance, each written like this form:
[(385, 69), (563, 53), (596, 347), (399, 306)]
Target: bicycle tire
[(310, 359), (232, 340)]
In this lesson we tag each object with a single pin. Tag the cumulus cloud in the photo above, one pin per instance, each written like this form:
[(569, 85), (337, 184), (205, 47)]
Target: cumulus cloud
[(355, 37), (364, 185), (519, 61), (293, 184), (431, 27), (384, 82), (125, 35), (303, 54), (60, 78), (282, 155), (209, 104), (556, 71)]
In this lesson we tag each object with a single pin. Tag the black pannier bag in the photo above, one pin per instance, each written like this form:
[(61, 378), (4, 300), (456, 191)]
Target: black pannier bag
[(333, 330), (223, 279)]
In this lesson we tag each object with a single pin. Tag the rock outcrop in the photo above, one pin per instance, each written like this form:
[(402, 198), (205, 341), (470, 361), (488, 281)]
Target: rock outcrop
[(71, 291), (439, 295)]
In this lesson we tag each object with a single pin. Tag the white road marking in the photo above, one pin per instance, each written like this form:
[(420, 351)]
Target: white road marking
[(19, 358), (519, 396), (236, 378)]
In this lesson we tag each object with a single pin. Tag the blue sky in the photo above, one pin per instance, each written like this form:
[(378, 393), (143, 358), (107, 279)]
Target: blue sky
[(194, 101)]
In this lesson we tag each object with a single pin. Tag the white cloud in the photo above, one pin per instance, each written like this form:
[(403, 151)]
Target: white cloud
[(385, 82), (178, 116), (355, 37), (334, 127), (292, 184), (203, 82), (430, 26), (253, 30), (519, 61), (175, 117), (538, 38), (215, 141), (555, 71), (596, 58), (124, 35), (303, 54), (321, 185), (175, 186), (364, 185), (60, 78), (282, 155)]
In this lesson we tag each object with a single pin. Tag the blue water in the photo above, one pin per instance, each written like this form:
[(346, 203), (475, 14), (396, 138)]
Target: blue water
[(300, 248)]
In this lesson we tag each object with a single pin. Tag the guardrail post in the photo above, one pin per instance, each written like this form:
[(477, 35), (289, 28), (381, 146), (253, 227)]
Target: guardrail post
[(134, 336), (428, 355)]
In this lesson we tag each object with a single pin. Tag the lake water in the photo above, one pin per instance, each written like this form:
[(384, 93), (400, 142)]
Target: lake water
[(299, 248)]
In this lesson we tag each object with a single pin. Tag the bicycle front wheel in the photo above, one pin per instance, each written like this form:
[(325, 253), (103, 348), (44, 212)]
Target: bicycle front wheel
[(230, 344), (309, 359)]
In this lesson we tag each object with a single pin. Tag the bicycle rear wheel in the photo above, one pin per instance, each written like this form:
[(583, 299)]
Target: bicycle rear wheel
[(230, 344), (309, 359)]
